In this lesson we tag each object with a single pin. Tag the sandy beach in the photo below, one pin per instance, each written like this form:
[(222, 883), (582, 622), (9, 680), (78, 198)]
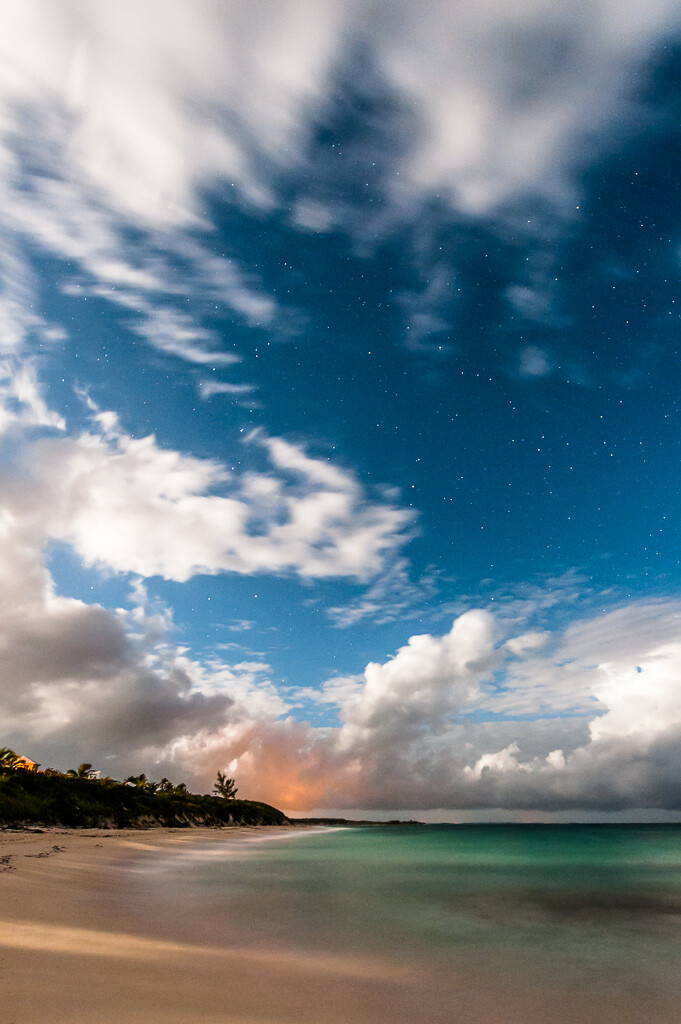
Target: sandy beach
[(82, 940), (72, 951)]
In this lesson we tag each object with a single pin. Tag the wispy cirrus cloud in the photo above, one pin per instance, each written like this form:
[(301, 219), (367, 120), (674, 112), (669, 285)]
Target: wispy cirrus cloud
[(151, 278), (117, 128), (156, 108), (210, 388)]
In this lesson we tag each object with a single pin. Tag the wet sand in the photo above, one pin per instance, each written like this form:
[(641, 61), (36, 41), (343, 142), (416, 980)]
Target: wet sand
[(73, 950), (80, 943)]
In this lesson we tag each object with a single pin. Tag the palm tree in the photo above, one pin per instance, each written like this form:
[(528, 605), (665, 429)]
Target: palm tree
[(8, 759), (137, 780), (83, 771), (225, 787)]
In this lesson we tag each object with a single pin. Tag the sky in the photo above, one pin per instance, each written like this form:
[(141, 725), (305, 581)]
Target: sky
[(339, 400)]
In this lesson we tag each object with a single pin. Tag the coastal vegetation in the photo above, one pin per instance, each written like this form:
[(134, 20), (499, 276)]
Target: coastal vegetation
[(79, 798), (225, 787)]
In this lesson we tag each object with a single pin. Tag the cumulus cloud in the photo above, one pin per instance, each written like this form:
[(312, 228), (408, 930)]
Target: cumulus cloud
[(586, 717), (442, 723), (423, 683)]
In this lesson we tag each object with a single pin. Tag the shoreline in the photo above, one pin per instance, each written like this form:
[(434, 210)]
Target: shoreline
[(93, 931), (74, 950)]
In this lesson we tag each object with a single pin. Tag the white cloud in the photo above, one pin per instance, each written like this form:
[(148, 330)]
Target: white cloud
[(394, 595), (642, 700), (513, 96), (129, 118), (433, 726), (336, 691), (174, 333), (502, 761), (527, 642), (21, 401), (209, 388), (407, 737), (80, 682), (131, 506), (423, 683), (148, 277), (533, 362), (157, 102)]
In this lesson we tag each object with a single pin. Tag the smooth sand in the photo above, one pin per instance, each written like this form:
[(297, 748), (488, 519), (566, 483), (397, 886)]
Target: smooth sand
[(75, 949), (72, 949)]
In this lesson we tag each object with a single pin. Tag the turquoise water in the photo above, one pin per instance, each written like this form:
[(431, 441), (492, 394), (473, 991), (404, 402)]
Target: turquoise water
[(578, 906)]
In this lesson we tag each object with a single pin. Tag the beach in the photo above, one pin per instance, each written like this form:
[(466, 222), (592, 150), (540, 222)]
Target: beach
[(72, 950), (89, 932)]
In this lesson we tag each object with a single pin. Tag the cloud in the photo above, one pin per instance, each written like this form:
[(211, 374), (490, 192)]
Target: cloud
[(119, 129), (485, 716), (533, 362), (21, 401), (425, 328), (209, 388), (78, 681), (442, 724), (512, 99), (527, 642), (423, 683), (150, 277), (394, 595), (128, 505), (174, 333), (157, 104)]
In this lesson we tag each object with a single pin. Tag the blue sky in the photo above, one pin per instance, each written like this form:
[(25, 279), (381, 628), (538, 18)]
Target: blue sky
[(339, 400)]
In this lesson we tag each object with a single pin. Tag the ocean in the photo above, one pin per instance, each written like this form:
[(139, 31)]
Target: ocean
[(544, 922)]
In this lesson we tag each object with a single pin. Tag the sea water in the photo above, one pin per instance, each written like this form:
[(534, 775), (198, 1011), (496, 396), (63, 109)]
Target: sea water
[(590, 908)]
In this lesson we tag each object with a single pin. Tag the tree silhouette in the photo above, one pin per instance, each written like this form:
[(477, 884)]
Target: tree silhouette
[(8, 759), (83, 771), (225, 787), (137, 780)]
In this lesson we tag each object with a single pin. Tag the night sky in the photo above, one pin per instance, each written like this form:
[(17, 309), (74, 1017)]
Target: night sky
[(339, 415)]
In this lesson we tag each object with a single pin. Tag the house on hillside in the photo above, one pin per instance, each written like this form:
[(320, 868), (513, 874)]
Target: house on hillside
[(26, 763)]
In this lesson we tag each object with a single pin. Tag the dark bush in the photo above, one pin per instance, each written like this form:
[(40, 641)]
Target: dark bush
[(28, 797)]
